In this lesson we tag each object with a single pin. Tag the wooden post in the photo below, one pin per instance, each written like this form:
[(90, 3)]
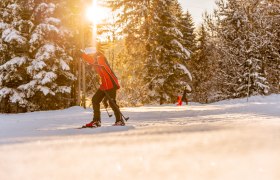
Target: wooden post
[(249, 84), (83, 68), (84, 85), (79, 82)]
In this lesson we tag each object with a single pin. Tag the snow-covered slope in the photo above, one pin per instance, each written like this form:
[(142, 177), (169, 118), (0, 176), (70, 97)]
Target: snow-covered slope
[(227, 140)]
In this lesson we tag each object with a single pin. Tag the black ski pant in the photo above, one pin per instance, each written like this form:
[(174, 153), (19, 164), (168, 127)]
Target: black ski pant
[(97, 99)]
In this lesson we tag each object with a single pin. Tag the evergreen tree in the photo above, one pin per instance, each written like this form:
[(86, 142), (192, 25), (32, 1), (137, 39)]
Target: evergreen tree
[(187, 29), (135, 19), (215, 59), (167, 72), (271, 29), (35, 74), (241, 45), (154, 48), (129, 68), (13, 59), (203, 69)]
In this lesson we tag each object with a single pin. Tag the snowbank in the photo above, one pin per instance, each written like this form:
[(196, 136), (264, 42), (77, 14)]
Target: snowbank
[(226, 140)]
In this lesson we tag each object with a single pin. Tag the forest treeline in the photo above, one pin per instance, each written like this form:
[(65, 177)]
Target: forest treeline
[(152, 45)]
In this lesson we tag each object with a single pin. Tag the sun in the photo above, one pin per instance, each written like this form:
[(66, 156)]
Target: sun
[(96, 14)]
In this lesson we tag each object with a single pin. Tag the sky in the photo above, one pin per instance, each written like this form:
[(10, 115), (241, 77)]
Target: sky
[(197, 7)]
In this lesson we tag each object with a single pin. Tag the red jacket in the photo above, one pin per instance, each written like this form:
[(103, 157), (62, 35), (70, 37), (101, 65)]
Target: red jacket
[(101, 66)]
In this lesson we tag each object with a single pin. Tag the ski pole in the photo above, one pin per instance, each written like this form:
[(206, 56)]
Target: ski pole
[(110, 115), (117, 107), (113, 103), (110, 99)]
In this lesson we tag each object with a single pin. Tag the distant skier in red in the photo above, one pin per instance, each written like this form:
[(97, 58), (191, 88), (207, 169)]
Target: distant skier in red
[(108, 87), (184, 98)]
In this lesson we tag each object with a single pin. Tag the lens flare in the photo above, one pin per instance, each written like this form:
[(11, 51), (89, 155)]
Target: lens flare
[(96, 14)]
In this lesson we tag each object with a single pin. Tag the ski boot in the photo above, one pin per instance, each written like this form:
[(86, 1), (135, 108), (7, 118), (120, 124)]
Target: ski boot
[(93, 124), (119, 123)]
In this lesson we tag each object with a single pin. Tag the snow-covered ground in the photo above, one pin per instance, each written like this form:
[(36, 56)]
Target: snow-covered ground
[(226, 140)]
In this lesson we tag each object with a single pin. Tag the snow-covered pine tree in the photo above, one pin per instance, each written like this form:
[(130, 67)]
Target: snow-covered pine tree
[(35, 74), (167, 72), (203, 68), (241, 46), (187, 28), (134, 17), (50, 71), (140, 22), (14, 29), (210, 46), (227, 22), (271, 23), (254, 78)]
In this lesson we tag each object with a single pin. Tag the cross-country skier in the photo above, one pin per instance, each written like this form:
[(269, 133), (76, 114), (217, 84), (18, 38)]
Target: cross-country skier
[(184, 97), (108, 87), (187, 89)]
